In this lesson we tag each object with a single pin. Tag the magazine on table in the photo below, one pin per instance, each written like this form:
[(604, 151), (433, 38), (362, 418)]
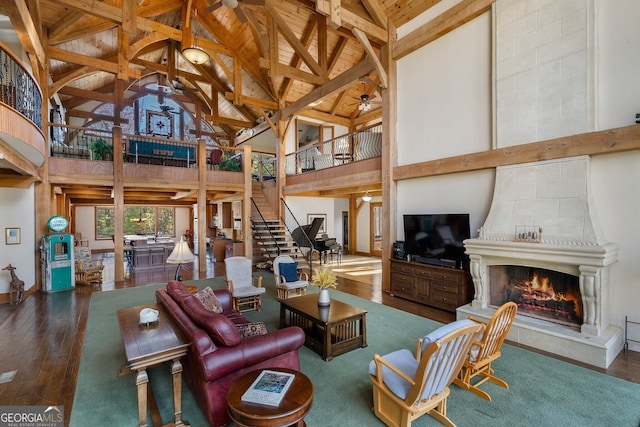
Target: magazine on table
[(269, 388)]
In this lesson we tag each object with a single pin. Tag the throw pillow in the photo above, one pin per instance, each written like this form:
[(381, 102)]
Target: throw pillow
[(289, 270), (248, 330), (209, 300)]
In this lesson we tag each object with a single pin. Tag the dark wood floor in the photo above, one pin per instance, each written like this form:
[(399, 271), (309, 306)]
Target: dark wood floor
[(42, 338)]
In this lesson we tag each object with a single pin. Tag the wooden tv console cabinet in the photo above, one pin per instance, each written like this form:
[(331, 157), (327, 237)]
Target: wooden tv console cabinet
[(440, 287)]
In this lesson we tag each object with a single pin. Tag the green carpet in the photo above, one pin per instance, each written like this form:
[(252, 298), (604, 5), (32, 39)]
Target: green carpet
[(543, 391)]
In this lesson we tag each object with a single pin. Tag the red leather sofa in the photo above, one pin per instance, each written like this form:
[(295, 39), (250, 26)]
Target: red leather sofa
[(218, 355)]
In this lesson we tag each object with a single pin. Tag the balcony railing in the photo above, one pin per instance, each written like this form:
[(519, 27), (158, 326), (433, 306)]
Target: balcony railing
[(360, 145), (93, 144), (77, 142), (18, 89)]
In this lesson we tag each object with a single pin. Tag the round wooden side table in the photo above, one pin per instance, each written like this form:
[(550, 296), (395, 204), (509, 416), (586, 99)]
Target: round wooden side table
[(295, 405)]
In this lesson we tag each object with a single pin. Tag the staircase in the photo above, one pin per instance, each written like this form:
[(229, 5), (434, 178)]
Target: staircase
[(270, 236)]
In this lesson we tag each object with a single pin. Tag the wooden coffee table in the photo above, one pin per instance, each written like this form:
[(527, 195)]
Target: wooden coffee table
[(147, 346), (295, 405), (329, 331)]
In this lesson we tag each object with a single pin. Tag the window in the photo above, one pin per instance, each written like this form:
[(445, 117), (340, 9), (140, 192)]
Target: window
[(137, 220)]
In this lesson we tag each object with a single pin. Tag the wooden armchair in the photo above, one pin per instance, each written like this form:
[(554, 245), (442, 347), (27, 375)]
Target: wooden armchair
[(288, 279), (245, 287), (485, 351), (88, 271), (407, 386)]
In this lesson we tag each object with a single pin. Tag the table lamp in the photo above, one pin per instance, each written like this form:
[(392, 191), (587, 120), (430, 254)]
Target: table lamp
[(181, 253)]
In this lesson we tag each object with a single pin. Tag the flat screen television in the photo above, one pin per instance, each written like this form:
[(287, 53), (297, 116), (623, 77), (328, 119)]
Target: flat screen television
[(437, 239)]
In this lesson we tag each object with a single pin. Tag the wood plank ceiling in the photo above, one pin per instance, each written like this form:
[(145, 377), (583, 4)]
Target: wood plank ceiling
[(312, 58), (265, 54)]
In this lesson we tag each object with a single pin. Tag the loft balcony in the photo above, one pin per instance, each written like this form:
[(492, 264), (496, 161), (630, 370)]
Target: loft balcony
[(349, 164), (21, 138)]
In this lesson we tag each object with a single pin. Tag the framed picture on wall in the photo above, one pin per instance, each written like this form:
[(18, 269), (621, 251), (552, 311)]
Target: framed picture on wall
[(12, 236), (323, 227)]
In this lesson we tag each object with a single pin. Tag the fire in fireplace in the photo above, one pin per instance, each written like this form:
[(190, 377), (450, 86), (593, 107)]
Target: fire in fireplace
[(545, 294)]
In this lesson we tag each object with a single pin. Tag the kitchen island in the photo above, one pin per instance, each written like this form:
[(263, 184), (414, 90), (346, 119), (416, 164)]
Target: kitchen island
[(148, 252)]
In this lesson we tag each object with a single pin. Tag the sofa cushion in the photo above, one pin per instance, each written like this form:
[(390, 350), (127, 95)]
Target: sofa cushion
[(288, 270), (221, 330), (209, 300), (248, 330), (177, 290)]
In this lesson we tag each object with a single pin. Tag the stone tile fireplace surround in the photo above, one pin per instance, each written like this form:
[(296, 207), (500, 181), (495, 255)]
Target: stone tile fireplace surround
[(552, 196)]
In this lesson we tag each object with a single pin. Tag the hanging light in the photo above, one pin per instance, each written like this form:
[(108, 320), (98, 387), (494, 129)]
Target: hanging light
[(367, 197), (139, 219), (196, 55), (365, 101)]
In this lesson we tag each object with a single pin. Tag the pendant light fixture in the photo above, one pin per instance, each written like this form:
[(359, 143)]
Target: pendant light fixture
[(194, 53)]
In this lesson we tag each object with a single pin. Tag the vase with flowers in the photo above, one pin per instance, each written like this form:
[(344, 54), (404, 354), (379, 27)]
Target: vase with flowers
[(324, 278)]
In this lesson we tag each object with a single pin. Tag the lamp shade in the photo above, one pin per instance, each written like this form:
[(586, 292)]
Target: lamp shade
[(195, 55), (181, 253), (367, 197)]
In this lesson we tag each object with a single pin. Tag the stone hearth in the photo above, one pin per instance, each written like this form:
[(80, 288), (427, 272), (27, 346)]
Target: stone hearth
[(553, 199)]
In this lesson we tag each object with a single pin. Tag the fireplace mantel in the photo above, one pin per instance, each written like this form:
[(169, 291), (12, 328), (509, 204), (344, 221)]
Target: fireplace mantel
[(589, 262), (553, 197)]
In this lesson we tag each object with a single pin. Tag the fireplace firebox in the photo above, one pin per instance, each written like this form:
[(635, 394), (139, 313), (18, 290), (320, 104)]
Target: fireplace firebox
[(539, 292)]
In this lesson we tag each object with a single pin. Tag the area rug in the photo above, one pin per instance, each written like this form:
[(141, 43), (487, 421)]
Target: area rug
[(543, 391)]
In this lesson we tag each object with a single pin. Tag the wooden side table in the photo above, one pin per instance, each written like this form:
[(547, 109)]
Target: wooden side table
[(150, 345), (295, 405)]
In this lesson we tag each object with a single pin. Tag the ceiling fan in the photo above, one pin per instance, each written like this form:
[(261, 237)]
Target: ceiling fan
[(233, 4), (365, 100), (167, 109)]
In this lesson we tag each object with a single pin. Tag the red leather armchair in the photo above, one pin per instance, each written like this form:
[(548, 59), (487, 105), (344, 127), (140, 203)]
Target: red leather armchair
[(218, 355)]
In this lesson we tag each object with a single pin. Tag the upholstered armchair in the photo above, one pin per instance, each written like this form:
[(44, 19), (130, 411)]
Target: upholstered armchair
[(88, 271), (288, 279), (407, 385), (245, 287)]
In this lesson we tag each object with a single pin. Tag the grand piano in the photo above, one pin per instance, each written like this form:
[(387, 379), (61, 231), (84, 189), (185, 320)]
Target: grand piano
[(305, 236)]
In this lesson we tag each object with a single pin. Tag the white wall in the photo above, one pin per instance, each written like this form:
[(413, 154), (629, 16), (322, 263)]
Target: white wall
[(618, 63), (18, 206), (448, 113), (444, 95), (457, 130), (615, 177)]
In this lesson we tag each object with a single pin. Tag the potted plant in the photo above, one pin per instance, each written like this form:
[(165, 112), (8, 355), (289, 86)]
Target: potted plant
[(101, 149), (229, 163), (324, 278)]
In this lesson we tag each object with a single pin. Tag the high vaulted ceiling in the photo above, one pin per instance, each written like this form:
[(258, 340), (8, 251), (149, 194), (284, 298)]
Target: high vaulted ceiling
[(266, 55)]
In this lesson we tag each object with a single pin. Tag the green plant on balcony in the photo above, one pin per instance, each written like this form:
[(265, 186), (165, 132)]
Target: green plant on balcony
[(101, 149), (229, 163)]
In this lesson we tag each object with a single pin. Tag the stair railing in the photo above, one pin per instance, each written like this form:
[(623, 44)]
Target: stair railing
[(264, 221), (300, 237)]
